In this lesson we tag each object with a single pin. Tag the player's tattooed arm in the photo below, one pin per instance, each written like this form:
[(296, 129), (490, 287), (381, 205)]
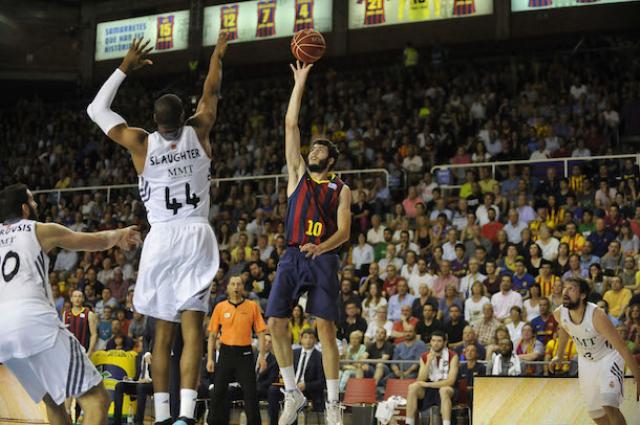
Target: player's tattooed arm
[(52, 235), (206, 111)]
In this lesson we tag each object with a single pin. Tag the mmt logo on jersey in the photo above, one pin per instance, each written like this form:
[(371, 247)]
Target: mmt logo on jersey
[(178, 172)]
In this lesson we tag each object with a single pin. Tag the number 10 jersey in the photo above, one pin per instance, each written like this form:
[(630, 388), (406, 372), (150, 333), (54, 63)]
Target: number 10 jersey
[(175, 182)]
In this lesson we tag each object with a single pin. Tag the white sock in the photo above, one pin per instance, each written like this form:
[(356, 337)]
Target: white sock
[(289, 378), (446, 422), (333, 393), (188, 402), (410, 421), (161, 404)]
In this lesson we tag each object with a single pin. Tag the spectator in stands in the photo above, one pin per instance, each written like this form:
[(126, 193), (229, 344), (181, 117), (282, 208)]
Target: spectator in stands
[(137, 325), (400, 326), (66, 260), (362, 256), (107, 300), (473, 305), (409, 351), (531, 305), (529, 348), (372, 277), (347, 295), (354, 351), (573, 238), (379, 321), (424, 298), (444, 279), (372, 302), (546, 279), (505, 299), (400, 299), (380, 348), (515, 324), (600, 238), (454, 326), (514, 226), (107, 272), (469, 338), (613, 259), (352, 322), (617, 297), (390, 259), (422, 277), (486, 327), (391, 279), (548, 244), (118, 286), (493, 279), (298, 323), (545, 325), (505, 362), (436, 380), (376, 232)]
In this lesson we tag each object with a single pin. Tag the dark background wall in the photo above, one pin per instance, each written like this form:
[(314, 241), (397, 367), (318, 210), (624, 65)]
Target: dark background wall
[(54, 40)]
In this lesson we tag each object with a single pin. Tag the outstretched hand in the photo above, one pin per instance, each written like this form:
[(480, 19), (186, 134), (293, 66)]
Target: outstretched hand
[(129, 237), (136, 57), (300, 71), (221, 45)]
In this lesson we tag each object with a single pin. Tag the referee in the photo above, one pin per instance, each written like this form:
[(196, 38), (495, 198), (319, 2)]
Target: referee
[(235, 319)]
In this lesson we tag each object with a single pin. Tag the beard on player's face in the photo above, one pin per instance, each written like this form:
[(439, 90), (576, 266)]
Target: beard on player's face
[(570, 304), (319, 167)]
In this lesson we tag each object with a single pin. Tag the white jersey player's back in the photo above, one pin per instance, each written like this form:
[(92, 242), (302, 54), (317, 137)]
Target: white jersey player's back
[(175, 181), (29, 320), (590, 344)]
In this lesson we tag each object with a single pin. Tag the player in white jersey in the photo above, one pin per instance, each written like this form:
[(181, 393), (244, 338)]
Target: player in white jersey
[(180, 256), (602, 352), (46, 358)]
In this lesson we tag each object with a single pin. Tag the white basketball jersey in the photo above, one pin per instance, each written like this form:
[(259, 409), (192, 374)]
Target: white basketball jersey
[(589, 343), (28, 319), (175, 182)]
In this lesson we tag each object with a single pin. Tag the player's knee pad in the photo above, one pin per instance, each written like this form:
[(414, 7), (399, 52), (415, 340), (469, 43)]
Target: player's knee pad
[(610, 399), (595, 414)]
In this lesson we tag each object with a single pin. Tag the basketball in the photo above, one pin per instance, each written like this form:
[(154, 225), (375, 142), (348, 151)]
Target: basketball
[(307, 46)]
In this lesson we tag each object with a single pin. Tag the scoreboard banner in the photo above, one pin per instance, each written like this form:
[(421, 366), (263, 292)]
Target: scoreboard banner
[(167, 32), (371, 13), (264, 19), (529, 5)]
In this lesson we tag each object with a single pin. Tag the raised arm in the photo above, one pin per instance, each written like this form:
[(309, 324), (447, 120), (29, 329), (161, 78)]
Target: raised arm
[(112, 124), (206, 111), (52, 235), (563, 338), (295, 162)]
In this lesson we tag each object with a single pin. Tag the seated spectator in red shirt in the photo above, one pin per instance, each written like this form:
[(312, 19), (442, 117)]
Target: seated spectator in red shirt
[(401, 326), (491, 229), (389, 287)]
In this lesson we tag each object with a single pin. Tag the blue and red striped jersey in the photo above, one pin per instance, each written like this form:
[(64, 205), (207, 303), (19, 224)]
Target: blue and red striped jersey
[(464, 7), (540, 3), (78, 325), (312, 210)]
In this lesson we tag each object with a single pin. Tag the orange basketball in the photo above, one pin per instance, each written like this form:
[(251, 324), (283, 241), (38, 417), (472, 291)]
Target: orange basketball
[(307, 46)]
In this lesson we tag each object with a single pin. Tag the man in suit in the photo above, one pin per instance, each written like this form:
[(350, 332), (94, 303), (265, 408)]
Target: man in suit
[(307, 363), (141, 388)]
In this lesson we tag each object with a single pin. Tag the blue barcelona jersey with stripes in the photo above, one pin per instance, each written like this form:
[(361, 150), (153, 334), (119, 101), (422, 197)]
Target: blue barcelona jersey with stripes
[(312, 210)]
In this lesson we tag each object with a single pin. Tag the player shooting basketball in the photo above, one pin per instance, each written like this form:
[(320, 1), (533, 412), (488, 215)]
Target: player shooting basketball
[(180, 255), (318, 221)]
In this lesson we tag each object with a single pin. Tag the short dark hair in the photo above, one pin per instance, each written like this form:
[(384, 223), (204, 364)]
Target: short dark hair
[(442, 334), (581, 283), (308, 331), (334, 152), (168, 111), (11, 200)]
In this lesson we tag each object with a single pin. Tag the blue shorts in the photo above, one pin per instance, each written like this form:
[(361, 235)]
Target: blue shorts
[(298, 274)]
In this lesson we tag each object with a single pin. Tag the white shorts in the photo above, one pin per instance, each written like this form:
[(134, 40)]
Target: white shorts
[(601, 382), (178, 263), (62, 371)]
